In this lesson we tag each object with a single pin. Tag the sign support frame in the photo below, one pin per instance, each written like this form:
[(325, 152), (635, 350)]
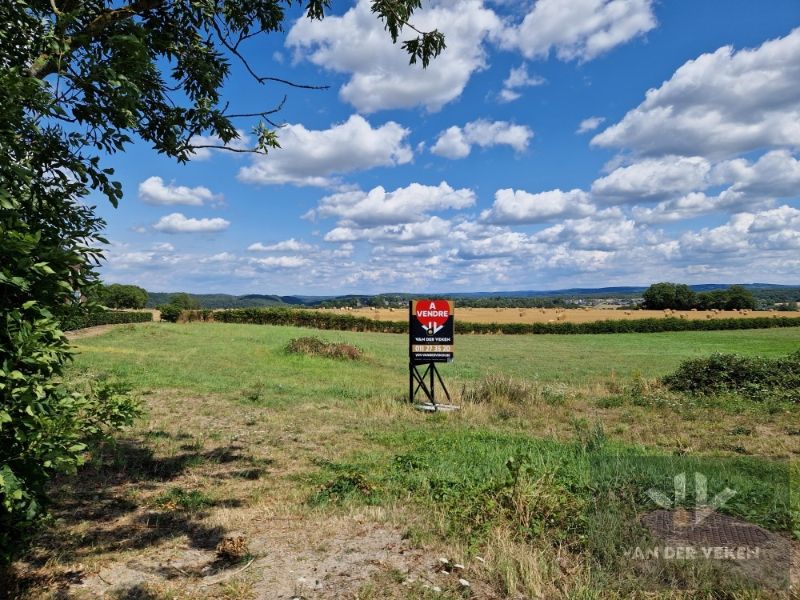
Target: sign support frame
[(417, 381)]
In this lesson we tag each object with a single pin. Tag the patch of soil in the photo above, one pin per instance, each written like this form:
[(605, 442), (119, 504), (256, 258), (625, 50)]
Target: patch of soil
[(90, 331), (294, 559)]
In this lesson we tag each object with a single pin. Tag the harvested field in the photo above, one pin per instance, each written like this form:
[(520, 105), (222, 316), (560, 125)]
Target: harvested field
[(569, 315)]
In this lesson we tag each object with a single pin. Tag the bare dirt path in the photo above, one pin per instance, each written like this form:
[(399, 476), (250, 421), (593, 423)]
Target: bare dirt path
[(149, 518), (89, 332)]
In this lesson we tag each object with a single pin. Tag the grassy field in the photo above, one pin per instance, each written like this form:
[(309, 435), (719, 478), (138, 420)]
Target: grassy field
[(218, 358), (336, 488)]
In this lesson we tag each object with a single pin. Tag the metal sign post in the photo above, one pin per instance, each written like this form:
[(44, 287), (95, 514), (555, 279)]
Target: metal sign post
[(430, 341)]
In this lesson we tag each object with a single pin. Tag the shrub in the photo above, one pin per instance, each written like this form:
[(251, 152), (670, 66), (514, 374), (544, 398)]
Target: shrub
[(314, 346), (52, 437), (170, 313), (756, 378), (184, 301)]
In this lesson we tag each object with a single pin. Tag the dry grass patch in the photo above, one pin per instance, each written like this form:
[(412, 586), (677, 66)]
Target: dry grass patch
[(314, 346)]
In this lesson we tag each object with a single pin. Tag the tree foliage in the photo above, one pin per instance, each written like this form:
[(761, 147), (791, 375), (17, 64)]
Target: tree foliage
[(118, 295), (183, 301), (79, 80), (679, 296)]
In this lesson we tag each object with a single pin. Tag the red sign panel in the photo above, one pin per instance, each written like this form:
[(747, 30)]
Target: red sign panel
[(431, 329)]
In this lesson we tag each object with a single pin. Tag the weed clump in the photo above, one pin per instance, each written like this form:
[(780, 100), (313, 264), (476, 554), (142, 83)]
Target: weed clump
[(498, 388), (756, 378), (314, 346), (232, 549), (179, 499), (344, 486)]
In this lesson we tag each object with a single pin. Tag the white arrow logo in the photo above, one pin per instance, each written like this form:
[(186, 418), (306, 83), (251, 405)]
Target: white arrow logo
[(702, 508)]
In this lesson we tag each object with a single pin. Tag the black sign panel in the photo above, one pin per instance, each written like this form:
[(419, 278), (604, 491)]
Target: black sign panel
[(431, 324)]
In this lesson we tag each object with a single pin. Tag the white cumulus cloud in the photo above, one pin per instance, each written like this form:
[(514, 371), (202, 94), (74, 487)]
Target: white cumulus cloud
[(314, 157), (404, 205), (456, 142), (179, 223), (590, 124), (153, 190), (282, 262), (719, 104), (579, 29), (517, 79), (357, 44), (751, 186), (607, 231), (518, 206), (405, 233), (290, 245), (652, 180)]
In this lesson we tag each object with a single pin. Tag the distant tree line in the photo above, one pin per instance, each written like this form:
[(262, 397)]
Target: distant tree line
[(401, 301), (679, 296), (666, 295)]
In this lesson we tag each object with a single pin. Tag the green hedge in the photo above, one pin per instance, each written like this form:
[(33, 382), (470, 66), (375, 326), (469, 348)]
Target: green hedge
[(303, 318), (345, 322), (81, 320)]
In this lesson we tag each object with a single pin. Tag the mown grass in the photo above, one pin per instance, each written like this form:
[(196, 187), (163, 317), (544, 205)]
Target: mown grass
[(542, 474), (220, 358)]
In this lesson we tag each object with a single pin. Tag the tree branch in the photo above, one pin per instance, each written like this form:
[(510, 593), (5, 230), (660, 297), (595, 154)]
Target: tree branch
[(228, 148), (45, 64), (233, 48)]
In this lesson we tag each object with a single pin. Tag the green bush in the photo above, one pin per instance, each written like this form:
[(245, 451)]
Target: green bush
[(43, 432), (170, 313), (184, 301), (754, 377)]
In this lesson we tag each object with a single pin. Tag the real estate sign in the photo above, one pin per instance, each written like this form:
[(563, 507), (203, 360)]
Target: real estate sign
[(430, 330)]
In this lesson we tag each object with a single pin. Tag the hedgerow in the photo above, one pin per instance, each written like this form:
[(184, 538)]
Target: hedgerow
[(345, 322), (82, 319)]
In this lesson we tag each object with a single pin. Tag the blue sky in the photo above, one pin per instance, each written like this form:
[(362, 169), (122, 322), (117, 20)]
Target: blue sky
[(554, 144)]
